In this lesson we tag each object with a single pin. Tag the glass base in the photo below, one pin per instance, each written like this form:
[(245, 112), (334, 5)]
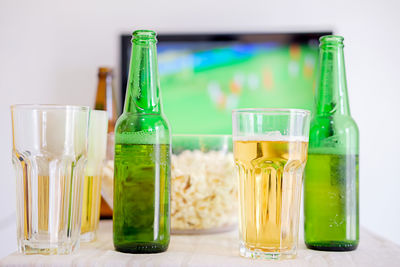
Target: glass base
[(267, 255), (88, 237), (46, 248)]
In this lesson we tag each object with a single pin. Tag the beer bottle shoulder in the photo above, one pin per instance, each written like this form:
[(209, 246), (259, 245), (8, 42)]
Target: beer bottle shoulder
[(342, 122), (338, 132), (132, 126)]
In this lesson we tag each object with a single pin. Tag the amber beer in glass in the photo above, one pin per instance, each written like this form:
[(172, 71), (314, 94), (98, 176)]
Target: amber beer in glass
[(270, 150), (97, 142)]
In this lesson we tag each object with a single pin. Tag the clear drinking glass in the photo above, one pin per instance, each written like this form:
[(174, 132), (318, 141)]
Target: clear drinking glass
[(49, 155), (97, 145), (270, 151)]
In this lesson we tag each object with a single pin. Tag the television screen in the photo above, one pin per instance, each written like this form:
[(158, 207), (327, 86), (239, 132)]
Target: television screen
[(203, 77)]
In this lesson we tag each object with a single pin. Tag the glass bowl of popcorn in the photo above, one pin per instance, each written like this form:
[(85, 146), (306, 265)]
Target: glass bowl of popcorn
[(203, 184)]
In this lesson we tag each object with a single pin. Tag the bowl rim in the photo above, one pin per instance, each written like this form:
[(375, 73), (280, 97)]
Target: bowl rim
[(202, 135), (272, 111)]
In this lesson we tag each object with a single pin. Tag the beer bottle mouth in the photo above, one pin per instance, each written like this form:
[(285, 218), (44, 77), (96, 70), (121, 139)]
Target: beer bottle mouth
[(143, 35), (331, 40), (103, 71)]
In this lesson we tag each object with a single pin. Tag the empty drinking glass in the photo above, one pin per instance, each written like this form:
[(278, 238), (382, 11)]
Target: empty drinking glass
[(49, 155)]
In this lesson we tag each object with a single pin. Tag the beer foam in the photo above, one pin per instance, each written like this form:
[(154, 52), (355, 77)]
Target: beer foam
[(271, 138)]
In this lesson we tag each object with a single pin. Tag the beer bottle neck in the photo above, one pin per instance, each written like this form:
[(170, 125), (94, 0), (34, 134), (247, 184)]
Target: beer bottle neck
[(103, 86), (332, 95), (142, 94)]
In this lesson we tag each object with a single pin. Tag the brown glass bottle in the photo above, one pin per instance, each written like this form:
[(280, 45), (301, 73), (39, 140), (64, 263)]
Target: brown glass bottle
[(105, 100)]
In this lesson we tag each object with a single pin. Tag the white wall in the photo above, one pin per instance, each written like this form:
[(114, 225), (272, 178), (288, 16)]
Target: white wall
[(49, 52)]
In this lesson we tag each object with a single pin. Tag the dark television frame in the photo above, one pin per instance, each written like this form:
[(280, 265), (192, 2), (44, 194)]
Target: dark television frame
[(280, 37)]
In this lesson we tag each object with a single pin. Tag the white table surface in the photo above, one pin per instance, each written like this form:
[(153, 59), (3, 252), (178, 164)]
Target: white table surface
[(211, 250)]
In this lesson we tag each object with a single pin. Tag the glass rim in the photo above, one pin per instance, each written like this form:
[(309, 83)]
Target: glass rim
[(98, 111), (43, 107), (272, 111)]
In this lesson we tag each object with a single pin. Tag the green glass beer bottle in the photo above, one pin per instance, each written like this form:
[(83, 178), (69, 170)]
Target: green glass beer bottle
[(142, 157), (331, 195)]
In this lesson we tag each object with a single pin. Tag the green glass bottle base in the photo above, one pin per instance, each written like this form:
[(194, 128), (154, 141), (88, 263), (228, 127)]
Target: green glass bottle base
[(141, 248), (332, 246)]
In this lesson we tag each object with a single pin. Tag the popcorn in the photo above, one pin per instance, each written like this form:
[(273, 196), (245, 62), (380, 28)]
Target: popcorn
[(203, 191), (107, 182)]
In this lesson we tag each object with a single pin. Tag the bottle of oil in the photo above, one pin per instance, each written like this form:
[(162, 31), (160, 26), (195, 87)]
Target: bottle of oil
[(331, 205), (142, 157)]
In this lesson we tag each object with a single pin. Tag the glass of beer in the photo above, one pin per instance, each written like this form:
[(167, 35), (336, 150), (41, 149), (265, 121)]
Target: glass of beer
[(97, 145), (49, 153), (270, 151)]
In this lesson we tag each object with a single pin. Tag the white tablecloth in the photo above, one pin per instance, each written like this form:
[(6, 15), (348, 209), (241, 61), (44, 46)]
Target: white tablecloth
[(211, 250)]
